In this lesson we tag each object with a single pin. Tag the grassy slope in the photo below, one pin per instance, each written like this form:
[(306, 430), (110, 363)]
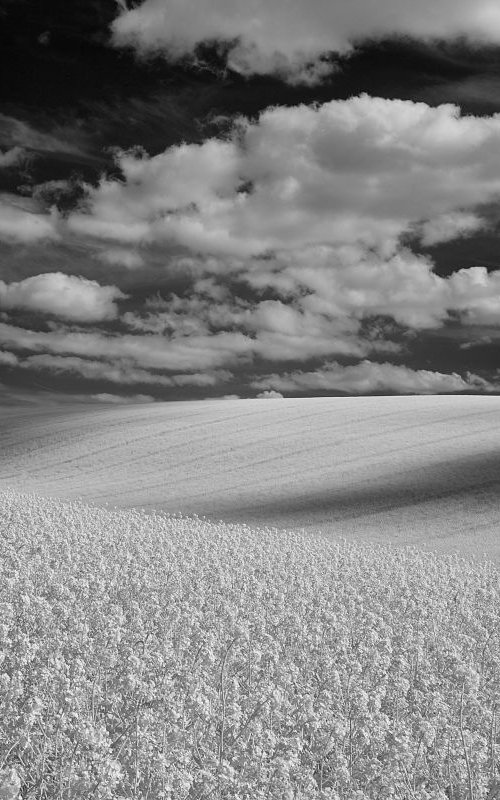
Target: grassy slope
[(422, 470)]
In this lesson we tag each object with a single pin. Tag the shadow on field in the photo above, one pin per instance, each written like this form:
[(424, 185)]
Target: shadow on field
[(444, 494)]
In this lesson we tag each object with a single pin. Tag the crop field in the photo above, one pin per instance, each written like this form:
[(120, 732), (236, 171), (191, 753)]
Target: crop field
[(251, 600), (144, 655), (400, 470)]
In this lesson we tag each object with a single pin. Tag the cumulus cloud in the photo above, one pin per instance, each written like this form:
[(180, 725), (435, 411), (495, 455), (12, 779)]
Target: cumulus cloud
[(67, 296), (475, 294), (325, 309), (350, 284), (270, 394), (283, 332), (304, 211), (275, 330), (368, 377), (310, 203), (289, 36), (359, 171)]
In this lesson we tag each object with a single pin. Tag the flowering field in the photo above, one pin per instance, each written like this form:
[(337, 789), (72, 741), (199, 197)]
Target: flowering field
[(155, 656)]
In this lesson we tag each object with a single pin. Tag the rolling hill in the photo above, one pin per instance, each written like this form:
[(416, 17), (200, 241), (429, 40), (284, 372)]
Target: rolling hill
[(402, 470)]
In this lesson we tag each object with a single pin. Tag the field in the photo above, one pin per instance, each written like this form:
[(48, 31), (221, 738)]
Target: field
[(399, 470), (148, 656), (203, 601)]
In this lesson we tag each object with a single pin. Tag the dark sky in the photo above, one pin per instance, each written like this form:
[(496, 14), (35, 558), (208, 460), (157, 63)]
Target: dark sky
[(300, 200)]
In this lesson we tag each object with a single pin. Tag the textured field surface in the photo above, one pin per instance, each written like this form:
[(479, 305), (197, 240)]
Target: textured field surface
[(148, 657), (410, 470)]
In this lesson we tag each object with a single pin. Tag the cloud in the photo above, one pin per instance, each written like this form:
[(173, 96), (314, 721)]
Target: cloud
[(290, 233), (283, 332), (274, 330), (118, 399), (368, 377), (329, 308), (121, 257), (476, 90), (192, 354), (15, 132), (310, 203), (93, 370), (181, 321), (350, 284), (122, 372), (289, 36), (475, 294), (448, 227), (10, 396), (67, 296), (12, 157), (359, 171), (214, 350), (482, 341), (8, 359), (21, 224), (270, 394)]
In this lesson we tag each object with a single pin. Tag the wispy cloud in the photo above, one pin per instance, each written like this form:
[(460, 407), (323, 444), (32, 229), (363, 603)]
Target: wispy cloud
[(121, 257), (16, 133), (123, 372), (119, 399), (21, 223), (472, 91), (150, 352)]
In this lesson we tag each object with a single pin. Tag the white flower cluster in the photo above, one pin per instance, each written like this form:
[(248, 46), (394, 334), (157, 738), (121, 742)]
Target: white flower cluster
[(155, 656)]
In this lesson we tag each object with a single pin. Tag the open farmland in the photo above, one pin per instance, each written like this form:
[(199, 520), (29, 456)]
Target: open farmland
[(145, 656), (402, 470)]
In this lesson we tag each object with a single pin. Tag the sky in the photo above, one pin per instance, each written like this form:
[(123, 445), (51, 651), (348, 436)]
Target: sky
[(261, 198)]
